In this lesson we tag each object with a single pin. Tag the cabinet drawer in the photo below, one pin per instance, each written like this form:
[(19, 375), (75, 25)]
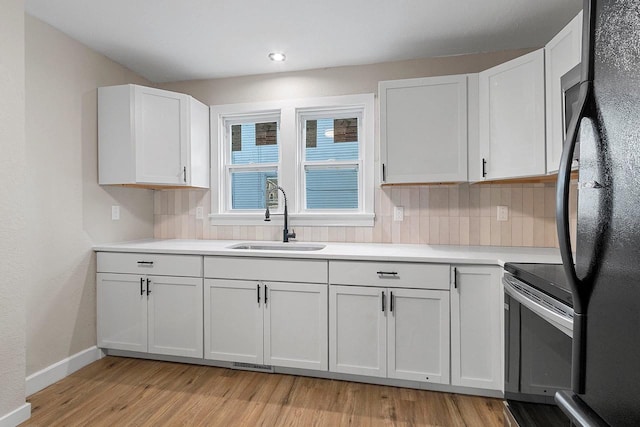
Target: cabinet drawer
[(389, 274), (269, 269), (157, 264)]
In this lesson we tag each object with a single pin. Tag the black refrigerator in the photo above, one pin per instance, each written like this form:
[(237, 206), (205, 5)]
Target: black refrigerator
[(605, 275)]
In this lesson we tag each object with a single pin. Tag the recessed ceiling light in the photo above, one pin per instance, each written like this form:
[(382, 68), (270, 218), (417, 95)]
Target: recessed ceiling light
[(277, 56)]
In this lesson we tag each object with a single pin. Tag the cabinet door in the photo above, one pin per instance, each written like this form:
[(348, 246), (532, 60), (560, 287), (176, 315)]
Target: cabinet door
[(562, 53), (512, 127), (423, 129), (161, 135), (418, 335), (357, 331), (121, 312), (175, 316), (477, 356), (233, 320), (295, 325)]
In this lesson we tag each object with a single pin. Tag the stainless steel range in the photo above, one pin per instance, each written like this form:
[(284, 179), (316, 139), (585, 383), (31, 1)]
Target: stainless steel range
[(538, 340)]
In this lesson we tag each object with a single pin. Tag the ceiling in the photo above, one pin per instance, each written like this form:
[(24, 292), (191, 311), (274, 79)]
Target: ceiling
[(169, 40)]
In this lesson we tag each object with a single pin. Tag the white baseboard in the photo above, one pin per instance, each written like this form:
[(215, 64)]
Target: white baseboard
[(17, 416), (54, 373)]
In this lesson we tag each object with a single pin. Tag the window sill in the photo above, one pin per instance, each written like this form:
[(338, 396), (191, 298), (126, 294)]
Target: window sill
[(299, 220)]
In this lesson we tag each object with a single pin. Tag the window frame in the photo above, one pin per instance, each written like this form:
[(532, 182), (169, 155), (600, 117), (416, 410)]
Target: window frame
[(290, 168), (228, 168), (328, 113)]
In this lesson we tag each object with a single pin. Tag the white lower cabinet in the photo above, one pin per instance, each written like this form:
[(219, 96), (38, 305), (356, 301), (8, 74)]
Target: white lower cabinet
[(233, 321), (476, 328), (418, 335), (295, 325), (279, 324), (418, 322), (357, 331), (122, 312), (151, 314), (389, 332)]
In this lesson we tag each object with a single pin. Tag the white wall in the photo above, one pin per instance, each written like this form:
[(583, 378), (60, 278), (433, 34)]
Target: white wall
[(433, 214), (333, 81), (13, 266), (67, 211)]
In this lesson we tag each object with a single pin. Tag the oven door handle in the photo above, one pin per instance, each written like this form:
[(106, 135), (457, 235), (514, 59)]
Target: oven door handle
[(554, 319)]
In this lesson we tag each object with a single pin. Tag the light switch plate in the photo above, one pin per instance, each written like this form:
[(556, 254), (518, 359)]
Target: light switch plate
[(503, 213), (199, 212), (398, 213), (115, 212)]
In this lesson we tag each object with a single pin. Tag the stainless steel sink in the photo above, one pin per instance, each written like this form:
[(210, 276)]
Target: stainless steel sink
[(278, 247)]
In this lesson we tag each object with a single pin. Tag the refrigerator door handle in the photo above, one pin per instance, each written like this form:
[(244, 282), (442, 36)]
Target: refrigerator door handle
[(562, 195), (564, 240)]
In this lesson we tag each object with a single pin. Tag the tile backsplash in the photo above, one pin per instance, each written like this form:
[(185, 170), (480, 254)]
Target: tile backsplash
[(461, 214)]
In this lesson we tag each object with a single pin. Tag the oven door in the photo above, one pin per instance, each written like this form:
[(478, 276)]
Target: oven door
[(538, 343), (538, 355)]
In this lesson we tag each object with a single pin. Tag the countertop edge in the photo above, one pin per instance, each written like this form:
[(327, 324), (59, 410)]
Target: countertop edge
[(473, 255)]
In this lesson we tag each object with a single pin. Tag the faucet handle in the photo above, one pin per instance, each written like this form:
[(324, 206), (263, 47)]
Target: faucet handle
[(292, 234)]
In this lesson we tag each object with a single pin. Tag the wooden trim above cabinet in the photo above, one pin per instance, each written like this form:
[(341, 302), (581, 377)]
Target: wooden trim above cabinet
[(155, 186), (528, 180)]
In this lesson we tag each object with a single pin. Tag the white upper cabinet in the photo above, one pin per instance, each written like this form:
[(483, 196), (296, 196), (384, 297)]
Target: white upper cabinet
[(152, 137), (423, 130), (562, 53), (512, 119)]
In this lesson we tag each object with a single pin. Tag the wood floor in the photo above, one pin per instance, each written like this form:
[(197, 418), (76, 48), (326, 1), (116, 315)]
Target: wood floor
[(130, 392)]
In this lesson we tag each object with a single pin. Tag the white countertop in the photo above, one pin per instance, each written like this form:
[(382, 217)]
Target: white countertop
[(493, 255)]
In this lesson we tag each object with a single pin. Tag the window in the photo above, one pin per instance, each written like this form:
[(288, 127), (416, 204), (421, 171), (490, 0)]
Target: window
[(320, 151), (331, 161), (251, 159)]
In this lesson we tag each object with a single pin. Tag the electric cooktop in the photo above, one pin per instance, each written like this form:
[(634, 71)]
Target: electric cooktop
[(549, 278)]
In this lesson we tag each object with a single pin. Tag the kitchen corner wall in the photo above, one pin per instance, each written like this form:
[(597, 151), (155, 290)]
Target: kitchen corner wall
[(436, 215), (67, 212)]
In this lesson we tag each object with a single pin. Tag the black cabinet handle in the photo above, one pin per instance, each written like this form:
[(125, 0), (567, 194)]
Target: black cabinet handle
[(455, 278), (387, 273), (383, 301), (184, 172), (391, 301), (141, 286), (484, 167), (384, 175), (145, 262), (258, 292), (148, 286), (266, 298)]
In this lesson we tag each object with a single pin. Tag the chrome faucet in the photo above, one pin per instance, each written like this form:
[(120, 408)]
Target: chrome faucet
[(267, 216)]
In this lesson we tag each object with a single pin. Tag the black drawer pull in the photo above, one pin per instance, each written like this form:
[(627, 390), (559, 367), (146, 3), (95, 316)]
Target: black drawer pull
[(145, 262), (387, 273)]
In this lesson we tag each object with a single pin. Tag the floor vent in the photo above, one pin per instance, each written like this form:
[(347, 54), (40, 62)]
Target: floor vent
[(252, 367)]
